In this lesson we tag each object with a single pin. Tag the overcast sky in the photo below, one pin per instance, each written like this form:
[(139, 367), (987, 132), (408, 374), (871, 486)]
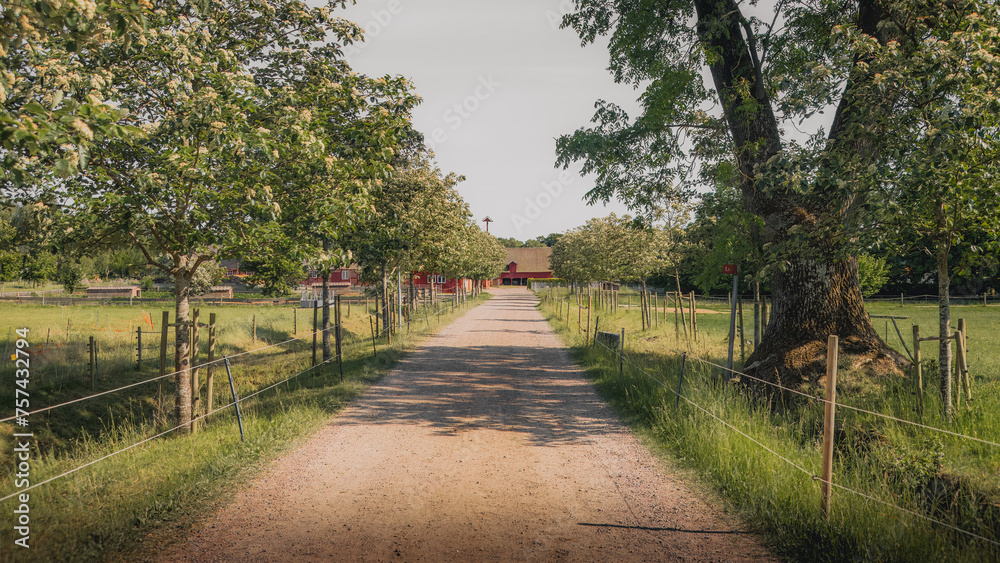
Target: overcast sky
[(500, 81)]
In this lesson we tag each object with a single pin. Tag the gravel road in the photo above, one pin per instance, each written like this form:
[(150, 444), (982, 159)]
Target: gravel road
[(487, 444)]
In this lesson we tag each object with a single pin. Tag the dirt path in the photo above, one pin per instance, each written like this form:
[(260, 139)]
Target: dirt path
[(485, 445)]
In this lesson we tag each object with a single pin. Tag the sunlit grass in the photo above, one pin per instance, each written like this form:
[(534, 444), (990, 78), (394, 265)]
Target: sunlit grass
[(950, 479), (124, 507)]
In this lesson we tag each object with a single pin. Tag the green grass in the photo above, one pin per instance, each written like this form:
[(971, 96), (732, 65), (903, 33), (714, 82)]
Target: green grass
[(951, 479), (128, 506)]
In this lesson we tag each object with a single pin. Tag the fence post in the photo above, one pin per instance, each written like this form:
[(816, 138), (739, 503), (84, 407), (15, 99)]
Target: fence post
[(210, 381), (597, 327), (315, 321), (163, 342), (621, 353), (680, 380), (371, 323), (919, 370), (963, 361), (337, 335), (739, 305), (138, 348), (195, 387), (295, 321), (694, 317), (93, 370), (589, 303), (826, 485), (236, 401), (253, 329)]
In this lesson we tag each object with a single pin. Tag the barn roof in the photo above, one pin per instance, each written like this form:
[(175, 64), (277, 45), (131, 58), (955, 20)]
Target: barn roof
[(530, 259)]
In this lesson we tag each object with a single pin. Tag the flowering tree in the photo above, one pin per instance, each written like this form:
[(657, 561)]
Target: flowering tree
[(237, 103)]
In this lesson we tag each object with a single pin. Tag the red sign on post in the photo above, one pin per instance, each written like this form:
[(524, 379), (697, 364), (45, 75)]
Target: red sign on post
[(729, 269)]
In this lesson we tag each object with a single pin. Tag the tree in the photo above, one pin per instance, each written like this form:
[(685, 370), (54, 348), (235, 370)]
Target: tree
[(549, 240), (813, 197), (209, 85), (10, 260), (51, 103), (275, 267), (338, 155), (69, 273), (873, 273), (510, 242), (945, 177), (39, 267)]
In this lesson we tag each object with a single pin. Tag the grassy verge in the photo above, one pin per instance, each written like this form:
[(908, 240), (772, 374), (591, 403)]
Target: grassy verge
[(127, 506), (931, 474)]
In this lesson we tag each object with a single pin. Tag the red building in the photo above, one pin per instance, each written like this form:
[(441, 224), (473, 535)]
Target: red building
[(341, 278), (524, 264), (423, 280)]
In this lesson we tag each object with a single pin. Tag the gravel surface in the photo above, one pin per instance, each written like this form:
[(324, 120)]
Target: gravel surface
[(487, 444)]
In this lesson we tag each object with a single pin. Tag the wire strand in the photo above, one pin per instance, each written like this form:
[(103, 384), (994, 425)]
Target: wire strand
[(795, 465), (157, 378)]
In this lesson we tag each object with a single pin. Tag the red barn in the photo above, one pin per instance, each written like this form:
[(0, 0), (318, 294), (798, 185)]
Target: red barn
[(524, 264)]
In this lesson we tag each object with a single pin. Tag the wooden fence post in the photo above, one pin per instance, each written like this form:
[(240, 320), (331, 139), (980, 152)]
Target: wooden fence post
[(694, 318), (677, 319), (315, 320), (826, 485), (337, 334), (739, 305), (918, 370), (589, 302), (295, 321), (253, 330), (195, 387), (163, 362), (163, 342), (621, 353), (210, 381), (92, 369), (138, 348)]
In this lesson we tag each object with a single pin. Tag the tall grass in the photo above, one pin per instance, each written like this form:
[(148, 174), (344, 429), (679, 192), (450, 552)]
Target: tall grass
[(127, 506), (931, 474)]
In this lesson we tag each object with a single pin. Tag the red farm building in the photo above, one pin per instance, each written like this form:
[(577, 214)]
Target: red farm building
[(524, 264)]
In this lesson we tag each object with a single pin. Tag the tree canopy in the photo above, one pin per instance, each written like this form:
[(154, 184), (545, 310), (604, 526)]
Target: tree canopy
[(819, 194)]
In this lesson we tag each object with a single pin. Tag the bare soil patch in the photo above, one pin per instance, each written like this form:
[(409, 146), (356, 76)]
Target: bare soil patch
[(487, 444)]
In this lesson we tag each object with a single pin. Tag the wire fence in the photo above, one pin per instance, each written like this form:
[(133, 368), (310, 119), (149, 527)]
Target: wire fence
[(354, 345), (624, 359)]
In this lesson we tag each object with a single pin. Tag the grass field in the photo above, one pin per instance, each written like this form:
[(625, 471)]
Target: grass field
[(126, 506), (935, 475)]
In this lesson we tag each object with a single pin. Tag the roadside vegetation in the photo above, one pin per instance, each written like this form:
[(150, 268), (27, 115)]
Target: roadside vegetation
[(935, 475), (130, 505)]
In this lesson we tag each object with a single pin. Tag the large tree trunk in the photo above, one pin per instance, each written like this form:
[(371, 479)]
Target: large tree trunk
[(815, 296), (182, 343), (810, 301)]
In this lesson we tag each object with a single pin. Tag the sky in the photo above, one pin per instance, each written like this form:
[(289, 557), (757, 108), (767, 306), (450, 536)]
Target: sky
[(500, 82)]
